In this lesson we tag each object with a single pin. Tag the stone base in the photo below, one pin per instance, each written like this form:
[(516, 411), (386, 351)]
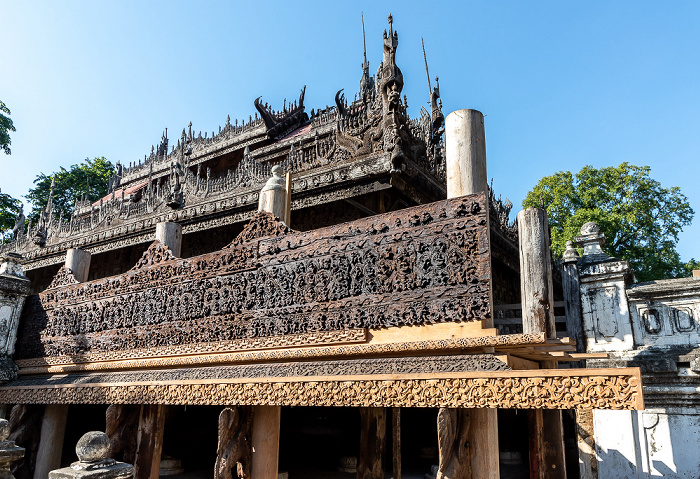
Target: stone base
[(8, 369), (169, 466)]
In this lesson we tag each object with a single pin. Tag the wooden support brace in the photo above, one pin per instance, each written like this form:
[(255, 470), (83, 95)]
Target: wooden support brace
[(372, 441), (266, 441), (149, 442)]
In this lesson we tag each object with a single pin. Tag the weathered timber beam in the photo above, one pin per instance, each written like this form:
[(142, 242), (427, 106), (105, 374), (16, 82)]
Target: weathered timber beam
[(372, 443)]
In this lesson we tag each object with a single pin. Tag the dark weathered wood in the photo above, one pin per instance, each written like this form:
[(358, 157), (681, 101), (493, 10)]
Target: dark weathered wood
[(546, 444), (537, 298), (25, 428), (463, 432), (271, 281), (149, 443), (235, 443), (372, 443), (396, 440), (122, 425), (572, 304), (455, 461)]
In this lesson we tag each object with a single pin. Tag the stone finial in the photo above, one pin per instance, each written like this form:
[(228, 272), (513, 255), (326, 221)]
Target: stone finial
[(9, 452), (591, 239), (93, 463), (570, 255), (11, 264)]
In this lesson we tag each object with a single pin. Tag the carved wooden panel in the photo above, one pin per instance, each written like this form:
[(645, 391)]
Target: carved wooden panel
[(425, 264), (618, 388)]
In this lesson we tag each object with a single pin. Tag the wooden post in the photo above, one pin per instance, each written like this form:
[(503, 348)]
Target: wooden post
[(396, 440), (170, 234), (372, 441), (465, 148), (149, 442), (572, 297), (465, 151), (78, 261), (266, 442), (546, 432), (288, 209), (535, 273), (53, 429)]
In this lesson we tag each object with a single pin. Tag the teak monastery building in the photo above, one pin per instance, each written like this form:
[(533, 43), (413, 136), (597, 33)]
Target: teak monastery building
[(325, 293)]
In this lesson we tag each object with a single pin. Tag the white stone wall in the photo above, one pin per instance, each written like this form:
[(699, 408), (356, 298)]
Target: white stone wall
[(648, 444)]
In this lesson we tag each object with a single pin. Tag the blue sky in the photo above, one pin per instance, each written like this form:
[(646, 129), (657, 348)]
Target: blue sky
[(562, 84)]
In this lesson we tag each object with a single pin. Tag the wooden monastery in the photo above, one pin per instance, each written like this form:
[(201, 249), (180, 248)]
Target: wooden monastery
[(303, 293)]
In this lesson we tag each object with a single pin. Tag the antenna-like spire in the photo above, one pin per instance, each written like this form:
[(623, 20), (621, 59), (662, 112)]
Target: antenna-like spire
[(364, 39), (425, 59)]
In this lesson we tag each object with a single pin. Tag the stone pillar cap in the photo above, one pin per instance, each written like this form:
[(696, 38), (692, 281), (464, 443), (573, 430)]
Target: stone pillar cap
[(591, 239)]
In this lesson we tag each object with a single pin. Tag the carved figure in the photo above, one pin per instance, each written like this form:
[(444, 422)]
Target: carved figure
[(454, 449), (235, 447), (122, 427)]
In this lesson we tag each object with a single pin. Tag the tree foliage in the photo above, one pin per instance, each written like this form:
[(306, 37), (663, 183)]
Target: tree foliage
[(641, 220), (9, 211), (90, 178), (6, 126)]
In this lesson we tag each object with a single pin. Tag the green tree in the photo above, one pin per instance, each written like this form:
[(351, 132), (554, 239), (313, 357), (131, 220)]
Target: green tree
[(90, 178), (641, 219), (6, 127), (9, 211)]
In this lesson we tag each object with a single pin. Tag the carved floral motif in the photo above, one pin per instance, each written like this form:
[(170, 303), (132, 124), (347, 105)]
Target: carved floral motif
[(155, 254)]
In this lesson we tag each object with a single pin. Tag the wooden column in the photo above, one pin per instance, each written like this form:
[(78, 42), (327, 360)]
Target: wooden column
[(78, 261), (266, 442), (572, 297), (546, 432), (53, 429), (396, 441), (465, 152), (372, 443), (149, 441), (170, 234)]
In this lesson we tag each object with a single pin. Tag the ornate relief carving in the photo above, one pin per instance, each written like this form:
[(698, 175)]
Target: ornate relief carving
[(425, 264), (64, 277), (155, 254), (454, 448), (235, 449), (122, 424), (348, 367), (262, 225), (270, 342), (609, 389), (37, 366)]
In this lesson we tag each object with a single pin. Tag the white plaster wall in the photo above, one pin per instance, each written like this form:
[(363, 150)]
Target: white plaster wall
[(648, 444)]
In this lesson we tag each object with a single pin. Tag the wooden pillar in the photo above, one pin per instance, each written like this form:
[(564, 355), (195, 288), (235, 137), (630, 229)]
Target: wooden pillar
[(537, 299), (170, 234), (53, 429), (465, 151), (572, 297), (546, 432), (266, 442), (372, 443), (396, 441), (78, 261), (149, 441)]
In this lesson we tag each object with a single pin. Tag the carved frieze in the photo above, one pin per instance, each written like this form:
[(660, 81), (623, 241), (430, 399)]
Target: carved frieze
[(426, 264), (554, 389)]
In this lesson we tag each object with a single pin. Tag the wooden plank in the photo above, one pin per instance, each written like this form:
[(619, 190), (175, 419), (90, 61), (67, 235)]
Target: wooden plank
[(396, 441), (149, 442), (372, 443)]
